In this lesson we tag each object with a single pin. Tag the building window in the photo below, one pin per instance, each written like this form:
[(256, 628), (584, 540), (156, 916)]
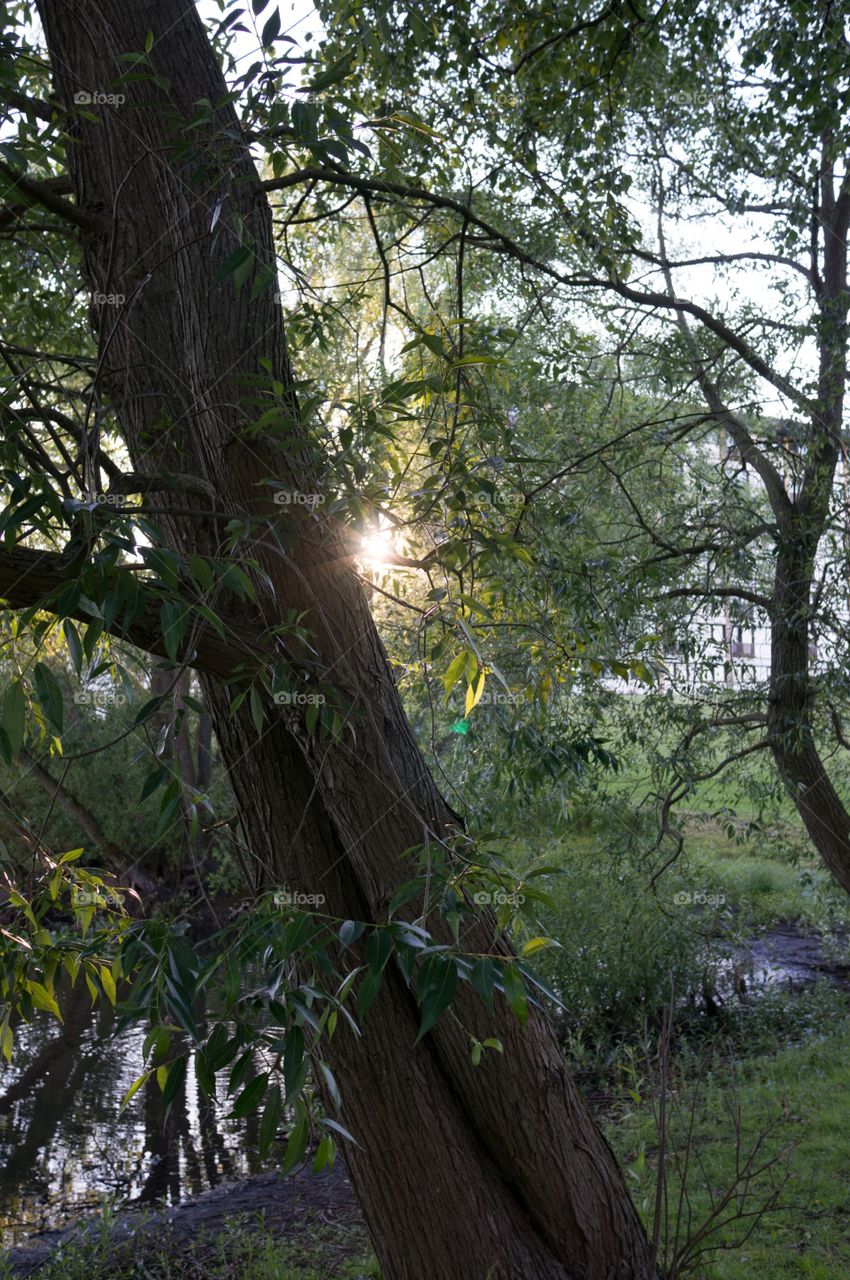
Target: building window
[(743, 644)]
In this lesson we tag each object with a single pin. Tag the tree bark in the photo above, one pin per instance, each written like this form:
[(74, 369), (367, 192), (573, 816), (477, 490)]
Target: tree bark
[(801, 528), (792, 739), (462, 1172)]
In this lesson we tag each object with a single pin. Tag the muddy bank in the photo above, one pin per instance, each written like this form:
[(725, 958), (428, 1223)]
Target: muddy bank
[(287, 1207)]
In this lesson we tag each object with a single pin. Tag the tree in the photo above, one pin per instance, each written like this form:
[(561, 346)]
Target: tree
[(171, 211), (625, 128)]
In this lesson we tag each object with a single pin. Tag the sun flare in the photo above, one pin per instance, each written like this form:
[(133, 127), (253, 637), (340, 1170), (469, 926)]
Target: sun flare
[(377, 547)]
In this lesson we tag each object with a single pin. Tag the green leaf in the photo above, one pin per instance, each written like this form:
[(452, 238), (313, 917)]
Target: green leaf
[(483, 979), (265, 278), (536, 944), (149, 709), (368, 990), (75, 647), (42, 999), (515, 992), (153, 781), (297, 1144), (201, 572), (304, 117), (251, 1096), (14, 715), (325, 1152), (379, 948), (473, 694), (331, 1085), (271, 1120), (174, 618), (233, 261), (350, 931), (335, 72), (455, 671), (135, 1087), (436, 984), (293, 1062), (271, 30), (49, 694), (338, 1128), (403, 894), (176, 1076), (258, 714), (108, 983)]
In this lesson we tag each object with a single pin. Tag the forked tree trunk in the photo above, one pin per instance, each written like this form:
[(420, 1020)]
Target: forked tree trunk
[(462, 1172)]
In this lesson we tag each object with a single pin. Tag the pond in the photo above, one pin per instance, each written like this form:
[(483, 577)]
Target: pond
[(65, 1145)]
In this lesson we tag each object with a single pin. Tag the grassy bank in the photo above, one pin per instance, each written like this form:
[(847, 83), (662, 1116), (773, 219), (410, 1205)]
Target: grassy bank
[(794, 1101), (243, 1250)]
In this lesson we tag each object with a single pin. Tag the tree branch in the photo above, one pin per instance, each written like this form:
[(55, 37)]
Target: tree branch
[(644, 298), (45, 194), (33, 579)]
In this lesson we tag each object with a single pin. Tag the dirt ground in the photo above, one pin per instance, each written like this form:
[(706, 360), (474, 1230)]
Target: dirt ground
[(286, 1206)]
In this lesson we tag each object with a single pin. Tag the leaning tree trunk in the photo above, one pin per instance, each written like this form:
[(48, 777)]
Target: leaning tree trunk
[(462, 1172), (801, 525), (789, 719)]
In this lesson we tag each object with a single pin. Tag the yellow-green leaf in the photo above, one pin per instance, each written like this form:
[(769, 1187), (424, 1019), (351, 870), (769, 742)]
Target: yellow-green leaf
[(535, 944), (134, 1088)]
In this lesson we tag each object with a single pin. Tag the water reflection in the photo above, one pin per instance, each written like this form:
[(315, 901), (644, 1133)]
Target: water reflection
[(63, 1145)]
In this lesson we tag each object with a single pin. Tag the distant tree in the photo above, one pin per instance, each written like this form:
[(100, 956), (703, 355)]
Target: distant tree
[(677, 175)]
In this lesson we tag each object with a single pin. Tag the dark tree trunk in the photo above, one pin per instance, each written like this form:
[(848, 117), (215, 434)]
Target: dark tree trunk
[(792, 739), (801, 527), (462, 1172)]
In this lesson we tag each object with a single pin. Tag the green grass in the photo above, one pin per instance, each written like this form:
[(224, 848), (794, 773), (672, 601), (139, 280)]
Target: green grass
[(627, 943), (764, 883), (242, 1250), (799, 1095)]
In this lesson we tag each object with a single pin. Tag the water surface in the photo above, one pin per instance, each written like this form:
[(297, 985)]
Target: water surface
[(66, 1147)]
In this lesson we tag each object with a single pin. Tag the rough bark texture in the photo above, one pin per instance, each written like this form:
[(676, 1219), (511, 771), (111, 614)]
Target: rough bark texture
[(462, 1173), (819, 805), (801, 527)]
